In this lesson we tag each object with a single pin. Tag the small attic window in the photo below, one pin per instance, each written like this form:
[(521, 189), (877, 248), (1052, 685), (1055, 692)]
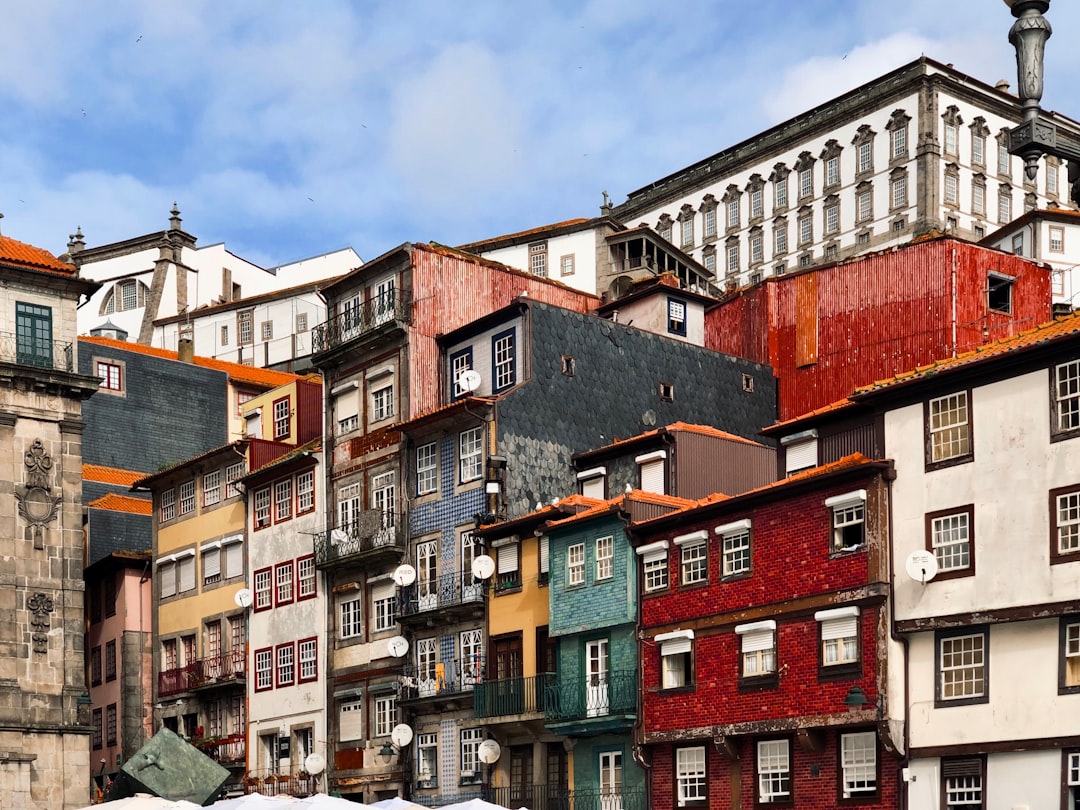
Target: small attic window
[(999, 293), (667, 392), (748, 383), (568, 365)]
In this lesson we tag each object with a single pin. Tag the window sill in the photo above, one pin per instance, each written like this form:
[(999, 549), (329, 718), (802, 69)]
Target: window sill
[(949, 462), (759, 683), (677, 690), (503, 590), (839, 672)]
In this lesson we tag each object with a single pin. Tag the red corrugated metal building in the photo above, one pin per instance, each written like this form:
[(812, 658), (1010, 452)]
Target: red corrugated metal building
[(829, 330)]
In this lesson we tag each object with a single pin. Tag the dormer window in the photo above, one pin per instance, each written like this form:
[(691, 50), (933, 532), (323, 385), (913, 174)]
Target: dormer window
[(676, 317)]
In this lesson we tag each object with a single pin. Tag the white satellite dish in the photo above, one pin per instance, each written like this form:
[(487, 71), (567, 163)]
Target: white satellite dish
[(405, 575), (468, 380), (244, 598), (483, 567), (314, 764), (489, 752), (398, 646), (338, 536), (921, 566), (401, 735)]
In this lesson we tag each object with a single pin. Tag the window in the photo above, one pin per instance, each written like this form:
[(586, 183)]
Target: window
[(282, 421), (33, 335), (858, 764), (167, 576), (1069, 668), (898, 187), (427, 471), (605, 558), (470, 739), (427, 760), (575, 565), (676, 659), (245, 322), (187, 573), (308, 650), (950, 138), (733, 257), (95, 724), (187, 498), (950, 540), (211, 487), (225, 335), (865, 205), (384, 603), (1004, 206), (168, 505), (211, 565), (286, 672), (806, 182), (503, 360), (382, 403), (1066, 397), (978, 199), (757, 206), (757, 252), (507, 563), (832, 170), (663, 227), (543, 549), (1004, 158), (282, 500), (773, 771), (110, 724), (806, 228), (999, 290), (676, 317), (305, 492), (566, 265), (95, 666), (654, 566), (386, 715), (1064, 523), (962, 666), (691, 786), (733, 212), (950, 428), (978, 148), (283, 583), (838, 629), (758, 652), (708, 259), (962, 784), (898, 141), (350, 614), (952, 188), (848, 513), (693, 558), (538, 259), (264, 594), (686, 232), (267, 328), (109, 374), (1057, 239), (262, 508), (459, 362), (709, 218), (735, 548), (780, 243), (832, 218), (470, 454), (110, 660), (1051, 179), (306, 583), (264, 669), (865, 157), (780, 196)]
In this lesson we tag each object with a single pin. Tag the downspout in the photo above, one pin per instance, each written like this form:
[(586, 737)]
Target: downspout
[(953, 293), (901, 785)]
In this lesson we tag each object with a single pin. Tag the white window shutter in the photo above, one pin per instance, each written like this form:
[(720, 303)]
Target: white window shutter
[(840, 628), (508, 558), (167, 573), (800, 456), (652, 476), (382, 590), (593, 487), (351, 716), (676, 646), (757, 640), (187, 574), (211, 563), (544, 553), (234, 560)]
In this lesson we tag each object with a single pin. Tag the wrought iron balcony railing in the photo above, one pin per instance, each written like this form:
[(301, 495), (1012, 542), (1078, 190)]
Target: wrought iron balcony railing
[(225, 668), (280, 784), (52, 354), (613, 693), (357, 321), (371, 531), (554, 797), (228, 749), (511, 696), (447, 590), (443, 678)]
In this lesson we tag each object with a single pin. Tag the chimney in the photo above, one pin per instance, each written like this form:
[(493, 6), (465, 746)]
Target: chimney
[(76, 243), (1002, 85), (185, 346)]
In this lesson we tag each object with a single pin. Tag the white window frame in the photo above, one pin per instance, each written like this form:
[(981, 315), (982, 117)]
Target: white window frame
[(306, 582), (186, 503), (211, 487), (470, 455), (757, 649), (773, 766), (233, 474), (282, 418), (386, 715), (167, 509), (654, 566), (898, 141), (575, 565), (962, 669), (605, 557), (780, 192), (950, 427), (427, 468), (382, 403), (469, 740), (838, 629), (858, 764), (350, 617), (690, 783), (865, 156), (950, 538), (305, 491), (736, 550), (1067, 395), (676, 658)]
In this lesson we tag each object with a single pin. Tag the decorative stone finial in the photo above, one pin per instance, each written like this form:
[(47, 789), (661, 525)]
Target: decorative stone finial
[(174, 220)]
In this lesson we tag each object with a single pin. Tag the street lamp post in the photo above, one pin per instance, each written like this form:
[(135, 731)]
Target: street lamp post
[(1037, 135)]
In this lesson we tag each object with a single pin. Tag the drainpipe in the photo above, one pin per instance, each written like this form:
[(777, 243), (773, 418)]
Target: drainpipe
[(952, 273), (902, 786)]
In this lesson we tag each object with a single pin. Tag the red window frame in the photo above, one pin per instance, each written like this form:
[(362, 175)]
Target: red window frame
[(260, 604), (300, 596), (282, 420), (267, 651), (309, 476), (314, 640), (280, 567), (278, 650), (262, 492), (284, 486)]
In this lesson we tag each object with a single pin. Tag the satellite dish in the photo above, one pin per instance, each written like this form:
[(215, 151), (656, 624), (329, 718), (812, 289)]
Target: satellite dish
[(314, 764), (468, 380), (921, 566), (401, 735), (398, 646), (244, 598), (338, 536), (489, 752), (483, 567), (405, 575)]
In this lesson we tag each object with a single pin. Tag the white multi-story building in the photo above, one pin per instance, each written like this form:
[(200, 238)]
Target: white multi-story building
[(159, 276), (986, 564), (1050, 236), (920, 149)]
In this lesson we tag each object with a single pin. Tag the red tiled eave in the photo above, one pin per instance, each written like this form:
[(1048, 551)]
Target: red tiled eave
[(123, 503), (19, 254), (110, 475)]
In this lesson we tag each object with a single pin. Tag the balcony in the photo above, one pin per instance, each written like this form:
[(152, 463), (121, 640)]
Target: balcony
[(509, 697), (226, 669), (555, 797), (228, 750), (372, 535), (453, 596), (41, 353), (381, 314), (298, 784), (596, 704), (438, 682)]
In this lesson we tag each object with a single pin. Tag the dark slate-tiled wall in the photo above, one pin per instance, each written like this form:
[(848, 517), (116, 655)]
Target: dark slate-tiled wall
[(614, 393), (170, 411)]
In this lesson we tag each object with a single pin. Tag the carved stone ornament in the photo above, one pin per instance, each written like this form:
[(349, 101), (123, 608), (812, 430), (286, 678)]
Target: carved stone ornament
[(40, 606), (36, 503)]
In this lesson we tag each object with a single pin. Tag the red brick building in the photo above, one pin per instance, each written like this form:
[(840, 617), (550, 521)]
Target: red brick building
[(766, 647)]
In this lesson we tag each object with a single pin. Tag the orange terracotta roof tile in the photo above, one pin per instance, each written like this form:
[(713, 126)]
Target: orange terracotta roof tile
[(839, 405), (251, 375), (613, 504), (19, 254), (123, 503), (674, 427), (110, 475)]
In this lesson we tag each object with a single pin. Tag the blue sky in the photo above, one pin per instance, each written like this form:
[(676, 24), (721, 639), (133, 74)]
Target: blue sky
[(287, 130)]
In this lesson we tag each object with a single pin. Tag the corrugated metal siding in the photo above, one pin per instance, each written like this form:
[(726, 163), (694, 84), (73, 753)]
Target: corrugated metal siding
[(857, 439), (309, 404), (450, 291), (705, 465), (734, 328), (262, 451), (885, 314)]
